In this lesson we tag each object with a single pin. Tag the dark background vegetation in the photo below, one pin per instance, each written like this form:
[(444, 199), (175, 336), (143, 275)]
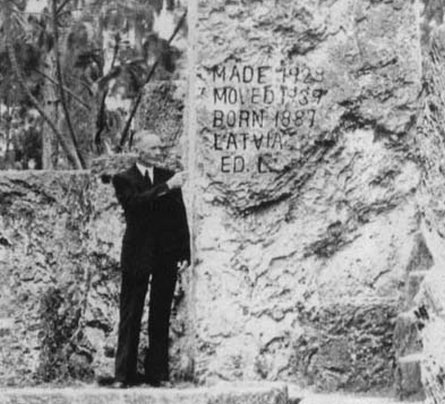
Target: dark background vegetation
[(72, 74)]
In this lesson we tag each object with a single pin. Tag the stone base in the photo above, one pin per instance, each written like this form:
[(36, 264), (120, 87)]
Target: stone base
[(308, 396), (407, 339), (221, 394), (409, 383)]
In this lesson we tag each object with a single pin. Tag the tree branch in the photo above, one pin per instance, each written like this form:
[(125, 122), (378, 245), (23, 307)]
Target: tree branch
[(61, 85), (83, 83), (124, 134), (85, 105), (72, 158), (60, 8), (101, 121)]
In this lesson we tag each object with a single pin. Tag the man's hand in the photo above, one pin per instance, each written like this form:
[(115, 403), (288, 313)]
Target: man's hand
[(182, 265), (178, 180)]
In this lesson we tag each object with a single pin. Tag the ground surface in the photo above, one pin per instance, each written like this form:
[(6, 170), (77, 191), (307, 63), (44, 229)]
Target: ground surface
[(350, 399), (221, 394), (230, 393), (301, 396)]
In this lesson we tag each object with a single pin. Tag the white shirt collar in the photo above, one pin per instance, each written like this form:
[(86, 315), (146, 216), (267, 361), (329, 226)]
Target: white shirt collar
[(142, 169)]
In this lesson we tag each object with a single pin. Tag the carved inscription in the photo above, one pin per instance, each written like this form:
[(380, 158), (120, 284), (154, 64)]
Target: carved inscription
[(256, 109)]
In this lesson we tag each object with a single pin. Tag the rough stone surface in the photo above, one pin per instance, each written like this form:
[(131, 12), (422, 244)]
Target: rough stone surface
[(63, 233), (432, 361), (429, 147), (227, 394), (363, 57), (301, 262), (301, 270), (351, 399), (407, 338), (409, 380), (414, 280), (41, 215), (162, 111), (60, 241)]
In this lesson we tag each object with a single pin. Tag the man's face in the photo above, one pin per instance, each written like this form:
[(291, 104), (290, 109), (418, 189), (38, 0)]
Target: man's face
[(149, 149)]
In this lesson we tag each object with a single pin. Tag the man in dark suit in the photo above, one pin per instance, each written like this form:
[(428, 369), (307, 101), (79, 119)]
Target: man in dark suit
[(156, 245)]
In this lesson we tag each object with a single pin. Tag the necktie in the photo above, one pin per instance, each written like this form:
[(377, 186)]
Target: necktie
[(147, 180)]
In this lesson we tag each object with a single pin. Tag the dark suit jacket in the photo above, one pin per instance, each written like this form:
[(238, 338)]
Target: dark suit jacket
[(156, 221)]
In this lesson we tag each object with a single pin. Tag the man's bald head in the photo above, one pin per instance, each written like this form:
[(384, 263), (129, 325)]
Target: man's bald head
[(148, 146), (145, 137)]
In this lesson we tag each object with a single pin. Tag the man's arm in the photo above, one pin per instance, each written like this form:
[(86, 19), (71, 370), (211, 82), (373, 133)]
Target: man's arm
[(130, 198)]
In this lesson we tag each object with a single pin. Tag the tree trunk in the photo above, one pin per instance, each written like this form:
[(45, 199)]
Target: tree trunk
[(61, 83), (49, 141), (72, 157)]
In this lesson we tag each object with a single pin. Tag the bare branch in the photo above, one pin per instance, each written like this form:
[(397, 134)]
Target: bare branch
[(72, 158), (61, 84), (60, 8), (83, 83), (124, 134), (101, 120), (67, 90)]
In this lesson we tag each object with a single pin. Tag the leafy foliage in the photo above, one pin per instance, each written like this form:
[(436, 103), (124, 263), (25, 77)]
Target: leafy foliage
[(106, 51)]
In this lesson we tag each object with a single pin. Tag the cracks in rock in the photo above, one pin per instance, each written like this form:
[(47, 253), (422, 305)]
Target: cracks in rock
[(352, 118), (336, 369), (378, 276), (316, 153), (98, 324), (307, 41), (267, 347), (385, 177), (365, 213), (265, 204), (334, 241), (33, 188), (367, 67), (283, 257), (5, 241)]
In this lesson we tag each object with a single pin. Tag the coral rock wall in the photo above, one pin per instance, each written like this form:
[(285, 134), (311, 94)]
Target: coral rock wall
[(60, 242), (306, 219), (302, 200)]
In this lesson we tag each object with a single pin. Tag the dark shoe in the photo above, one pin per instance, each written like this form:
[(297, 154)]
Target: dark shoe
[(153, 382), (105, 380)]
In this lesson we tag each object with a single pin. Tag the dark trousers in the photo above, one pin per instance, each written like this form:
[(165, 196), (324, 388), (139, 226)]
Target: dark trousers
[(132, 297)]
